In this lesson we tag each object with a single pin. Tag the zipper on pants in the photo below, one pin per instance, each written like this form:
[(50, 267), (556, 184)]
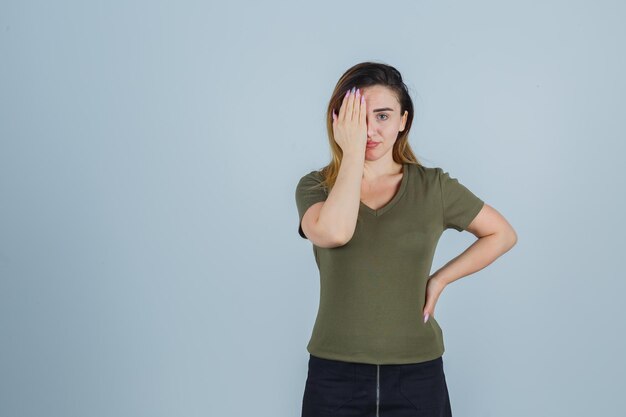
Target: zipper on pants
[(377, 388)]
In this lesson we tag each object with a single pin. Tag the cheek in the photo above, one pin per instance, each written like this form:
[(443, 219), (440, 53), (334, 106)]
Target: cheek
[(388, 132)]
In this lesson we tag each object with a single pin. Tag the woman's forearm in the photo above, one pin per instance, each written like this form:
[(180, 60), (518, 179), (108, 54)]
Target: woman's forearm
[(478, 255), (341, 207)]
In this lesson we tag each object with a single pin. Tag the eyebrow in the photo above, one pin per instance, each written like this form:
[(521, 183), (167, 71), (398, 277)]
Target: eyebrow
[(383, 109)]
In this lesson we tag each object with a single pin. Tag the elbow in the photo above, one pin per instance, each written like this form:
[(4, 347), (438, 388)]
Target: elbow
[(331, 236), (342, 237), (510, 238)]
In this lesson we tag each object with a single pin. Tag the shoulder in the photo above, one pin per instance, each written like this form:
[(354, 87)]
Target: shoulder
[(436, 173), (311, 180), (313, 177), (427, 171), (426, 175)]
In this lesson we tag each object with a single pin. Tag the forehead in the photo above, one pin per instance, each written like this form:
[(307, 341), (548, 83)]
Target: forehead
[(380, 96)]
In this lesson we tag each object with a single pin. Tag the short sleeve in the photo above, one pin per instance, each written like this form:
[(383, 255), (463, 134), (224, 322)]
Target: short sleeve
[(308, 192), (460, 205)]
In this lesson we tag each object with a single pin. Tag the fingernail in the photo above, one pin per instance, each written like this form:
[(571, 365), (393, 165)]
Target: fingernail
[(353, 89), (426, 317)]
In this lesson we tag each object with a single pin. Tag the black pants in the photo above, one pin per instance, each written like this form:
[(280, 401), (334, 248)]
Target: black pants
[(337, 388)]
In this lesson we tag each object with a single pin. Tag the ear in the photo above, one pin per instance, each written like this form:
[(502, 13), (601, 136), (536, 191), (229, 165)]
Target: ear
[(404, 117)]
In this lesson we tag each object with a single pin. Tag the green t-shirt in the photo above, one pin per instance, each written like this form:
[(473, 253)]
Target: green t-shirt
[(372, 289)]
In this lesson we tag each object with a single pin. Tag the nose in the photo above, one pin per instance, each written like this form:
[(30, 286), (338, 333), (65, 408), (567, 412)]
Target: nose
[(370, 129)]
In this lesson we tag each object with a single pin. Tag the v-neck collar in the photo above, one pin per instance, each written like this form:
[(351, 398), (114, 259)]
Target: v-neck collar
[(396, 197)]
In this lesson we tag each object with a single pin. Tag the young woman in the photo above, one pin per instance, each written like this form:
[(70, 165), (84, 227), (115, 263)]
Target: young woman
[(374, 216)]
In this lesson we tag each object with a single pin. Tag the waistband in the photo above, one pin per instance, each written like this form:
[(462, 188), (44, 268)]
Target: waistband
[(372, 369)]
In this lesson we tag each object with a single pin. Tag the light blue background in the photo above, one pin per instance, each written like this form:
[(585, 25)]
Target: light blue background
[(149, 258)]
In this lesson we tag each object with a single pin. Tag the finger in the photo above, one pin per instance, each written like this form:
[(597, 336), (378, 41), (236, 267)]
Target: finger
[(350, 105), (344, 105), (363, 111), (357, 105), (429, 308)]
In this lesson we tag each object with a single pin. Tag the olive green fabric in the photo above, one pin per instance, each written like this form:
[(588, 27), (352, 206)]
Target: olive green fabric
[(372, 289)]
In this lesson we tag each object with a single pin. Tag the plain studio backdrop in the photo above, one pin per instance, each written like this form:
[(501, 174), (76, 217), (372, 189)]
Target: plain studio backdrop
[(150, 263)]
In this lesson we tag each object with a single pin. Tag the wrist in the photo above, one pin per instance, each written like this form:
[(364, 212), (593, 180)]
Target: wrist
[(355, 156), (440, 279)]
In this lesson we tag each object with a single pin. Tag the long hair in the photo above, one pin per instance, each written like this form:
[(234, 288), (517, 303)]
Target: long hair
[(367, 74)]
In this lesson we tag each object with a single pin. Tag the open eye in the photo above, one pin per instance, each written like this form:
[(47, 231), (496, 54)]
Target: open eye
[(386, 116)]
